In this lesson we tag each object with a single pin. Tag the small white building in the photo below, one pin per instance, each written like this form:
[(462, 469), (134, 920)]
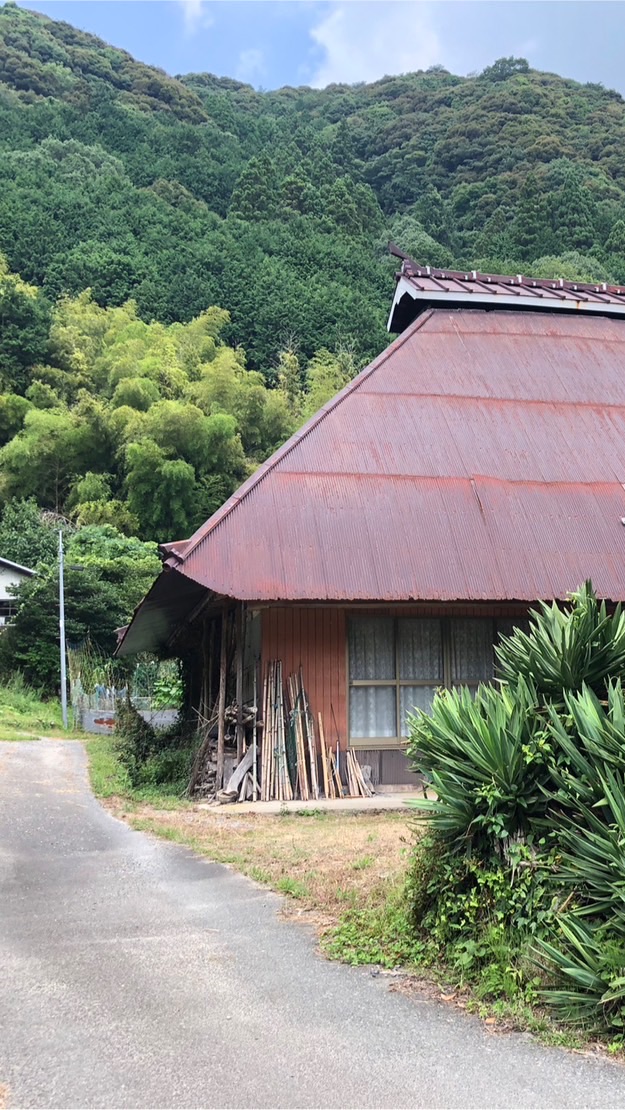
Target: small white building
[(11, 575)]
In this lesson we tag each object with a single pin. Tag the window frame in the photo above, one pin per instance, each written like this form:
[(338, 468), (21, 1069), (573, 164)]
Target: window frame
[(446, 623)]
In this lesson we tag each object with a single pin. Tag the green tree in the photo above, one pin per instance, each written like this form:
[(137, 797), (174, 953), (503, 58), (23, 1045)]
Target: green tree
[(161, 492), (30, 644), (13, 409), (256, 193), (326, 374), (110, 512), (24, 325), (29, 536), (42, 460), (127, 563)]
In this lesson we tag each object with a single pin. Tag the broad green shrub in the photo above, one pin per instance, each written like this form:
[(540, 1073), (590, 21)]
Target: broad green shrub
[(524, 864), (152, 756), (588, 739)]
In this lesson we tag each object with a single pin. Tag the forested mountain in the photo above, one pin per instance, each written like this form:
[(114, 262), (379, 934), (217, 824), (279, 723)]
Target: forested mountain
[(277, 206), (190, 267)]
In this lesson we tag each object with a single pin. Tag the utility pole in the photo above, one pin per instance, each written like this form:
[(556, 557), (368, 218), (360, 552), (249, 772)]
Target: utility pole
[(62, 631)]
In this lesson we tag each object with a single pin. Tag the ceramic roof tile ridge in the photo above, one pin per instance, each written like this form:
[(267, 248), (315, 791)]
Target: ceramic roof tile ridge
[(265, 468)]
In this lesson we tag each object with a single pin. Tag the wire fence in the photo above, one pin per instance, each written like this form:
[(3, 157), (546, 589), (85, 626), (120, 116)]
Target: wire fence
[(98, 682)]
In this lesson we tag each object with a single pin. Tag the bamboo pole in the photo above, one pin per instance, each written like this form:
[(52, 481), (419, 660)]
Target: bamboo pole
[(324, 757), (240, 731), (221, 713), (301, 753), (288, 788), (337, 776), (255, 738), (264, 780), (310, 729)]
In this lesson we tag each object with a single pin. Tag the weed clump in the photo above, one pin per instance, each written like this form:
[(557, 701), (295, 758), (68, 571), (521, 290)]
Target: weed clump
[(153, 756)]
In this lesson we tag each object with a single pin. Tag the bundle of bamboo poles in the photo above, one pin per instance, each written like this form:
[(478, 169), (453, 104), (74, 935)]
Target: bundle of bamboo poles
[(302, 730), (332, 785), (358, 785), (292, 747), (275, 777)]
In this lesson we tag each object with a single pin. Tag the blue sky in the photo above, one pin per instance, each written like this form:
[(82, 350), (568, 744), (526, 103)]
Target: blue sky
[(318, 41)]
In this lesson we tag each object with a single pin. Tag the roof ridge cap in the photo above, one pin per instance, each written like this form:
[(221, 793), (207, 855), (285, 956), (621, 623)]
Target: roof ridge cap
[(265, 468)]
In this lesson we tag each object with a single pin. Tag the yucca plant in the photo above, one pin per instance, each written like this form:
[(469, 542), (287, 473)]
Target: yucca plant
[(566, 647), (592, 857), (486, 757), (588, 737), (591, 967)]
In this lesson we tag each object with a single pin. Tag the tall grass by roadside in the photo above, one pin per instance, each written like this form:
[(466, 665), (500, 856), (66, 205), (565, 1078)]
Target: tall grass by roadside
[(24, 711)]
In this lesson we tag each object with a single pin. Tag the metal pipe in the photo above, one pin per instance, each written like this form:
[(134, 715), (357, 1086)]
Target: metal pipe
[(62, 632)]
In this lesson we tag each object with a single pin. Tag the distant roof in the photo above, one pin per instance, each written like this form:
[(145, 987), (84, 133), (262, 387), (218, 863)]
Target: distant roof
[(17, 566), (420, 287), (481, 456)]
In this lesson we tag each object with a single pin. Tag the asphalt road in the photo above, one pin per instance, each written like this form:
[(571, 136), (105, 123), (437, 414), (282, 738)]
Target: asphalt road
[(133, 974)]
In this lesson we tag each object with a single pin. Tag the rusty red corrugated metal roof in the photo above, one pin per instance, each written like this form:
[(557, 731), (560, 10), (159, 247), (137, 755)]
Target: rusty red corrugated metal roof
[(481, 456), (421, 286)]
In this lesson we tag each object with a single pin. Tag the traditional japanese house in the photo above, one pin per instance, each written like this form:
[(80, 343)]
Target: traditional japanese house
[(477, 465)]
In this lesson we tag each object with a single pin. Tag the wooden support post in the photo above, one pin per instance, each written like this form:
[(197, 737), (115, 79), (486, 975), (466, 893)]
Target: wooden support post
[(255, 737), (239, 680), (221, 713), (211, 662), (205, 706)]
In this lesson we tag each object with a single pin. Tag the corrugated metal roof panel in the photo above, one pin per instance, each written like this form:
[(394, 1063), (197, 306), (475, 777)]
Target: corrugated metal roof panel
[(480, 457)]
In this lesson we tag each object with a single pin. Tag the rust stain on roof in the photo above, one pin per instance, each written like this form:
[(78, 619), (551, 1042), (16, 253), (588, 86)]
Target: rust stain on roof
[(481, 456)]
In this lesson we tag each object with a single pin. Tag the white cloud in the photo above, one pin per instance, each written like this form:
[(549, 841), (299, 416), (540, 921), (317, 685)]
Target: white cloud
[(195, 16), (365, 41), (251, 65)]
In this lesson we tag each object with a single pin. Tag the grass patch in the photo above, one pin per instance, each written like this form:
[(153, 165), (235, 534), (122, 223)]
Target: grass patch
[(377, 932), (108, 776), (292, 887), (10, 734), (24, 710), (110, 779), (26, 715)]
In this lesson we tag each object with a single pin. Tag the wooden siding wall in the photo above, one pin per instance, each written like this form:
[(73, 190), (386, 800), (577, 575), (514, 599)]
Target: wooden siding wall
[(316, 639), (313, 638)]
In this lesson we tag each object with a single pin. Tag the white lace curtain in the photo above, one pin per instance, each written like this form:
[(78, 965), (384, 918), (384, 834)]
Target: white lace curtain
[(384, 650)]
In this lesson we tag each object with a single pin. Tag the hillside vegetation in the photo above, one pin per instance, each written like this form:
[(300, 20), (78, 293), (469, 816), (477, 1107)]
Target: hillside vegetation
[(189, 267), (277, 206)]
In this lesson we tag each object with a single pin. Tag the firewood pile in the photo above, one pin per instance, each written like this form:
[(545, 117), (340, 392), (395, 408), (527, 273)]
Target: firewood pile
[(203, 778)]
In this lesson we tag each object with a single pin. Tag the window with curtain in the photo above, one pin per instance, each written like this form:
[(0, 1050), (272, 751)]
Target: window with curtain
[(396, 665)]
